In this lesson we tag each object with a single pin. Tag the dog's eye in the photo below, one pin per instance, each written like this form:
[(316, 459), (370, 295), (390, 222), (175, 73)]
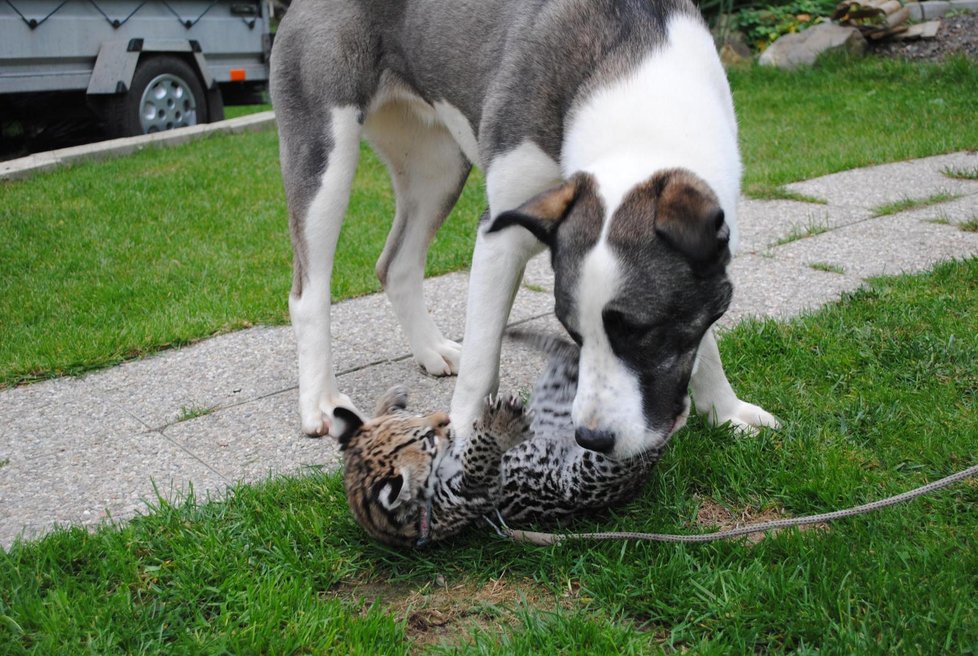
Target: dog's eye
[(618, 324)]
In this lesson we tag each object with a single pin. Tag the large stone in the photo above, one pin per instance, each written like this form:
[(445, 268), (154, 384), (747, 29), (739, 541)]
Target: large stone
[(926, 30), (803, 48), (937, 8), (731, 55)]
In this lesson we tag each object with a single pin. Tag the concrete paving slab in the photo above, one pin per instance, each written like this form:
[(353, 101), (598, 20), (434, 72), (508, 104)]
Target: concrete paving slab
[(217, 372), (520, 366), (254, 440), (260, 438), (878, 185), (85, 483), (231, 369), (771, 287), (937, 8), (57, 415), (763, 223), (955, 212), (885, 246)]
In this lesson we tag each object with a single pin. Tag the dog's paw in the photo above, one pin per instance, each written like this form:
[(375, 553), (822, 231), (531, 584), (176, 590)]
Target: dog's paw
[(440, 358), (318, 421), (508, 421), (747, 419)]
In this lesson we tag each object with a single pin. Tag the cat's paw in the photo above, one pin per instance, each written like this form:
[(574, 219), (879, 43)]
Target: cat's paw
[(507, 421)]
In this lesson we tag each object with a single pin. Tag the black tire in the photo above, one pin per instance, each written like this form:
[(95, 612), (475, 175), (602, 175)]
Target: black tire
[(165, 93), (215, 105)]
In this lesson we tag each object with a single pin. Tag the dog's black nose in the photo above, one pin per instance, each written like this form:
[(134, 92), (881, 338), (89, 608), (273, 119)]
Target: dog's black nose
[(600, 441)]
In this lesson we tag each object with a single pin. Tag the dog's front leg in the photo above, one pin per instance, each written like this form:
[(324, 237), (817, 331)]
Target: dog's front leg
[(714, 396), (497, 269), (318, 177)]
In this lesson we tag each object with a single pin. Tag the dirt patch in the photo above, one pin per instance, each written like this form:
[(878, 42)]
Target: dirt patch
[(713, 515), (442, 612), (957, 35)]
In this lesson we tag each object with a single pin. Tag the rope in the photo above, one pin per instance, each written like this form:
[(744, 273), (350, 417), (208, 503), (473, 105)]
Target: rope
[(187, 23), (34, 23), (115, 22), (545, 539)]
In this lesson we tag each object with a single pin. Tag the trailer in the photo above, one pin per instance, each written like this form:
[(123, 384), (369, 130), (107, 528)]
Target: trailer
[(141, 66)]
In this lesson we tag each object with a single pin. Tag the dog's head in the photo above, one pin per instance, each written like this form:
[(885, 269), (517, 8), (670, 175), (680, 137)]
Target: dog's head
[(637, 290)]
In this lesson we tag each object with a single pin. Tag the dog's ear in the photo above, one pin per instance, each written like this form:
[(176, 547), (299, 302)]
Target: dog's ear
[(348, 423), (689, 218), (544, 212)]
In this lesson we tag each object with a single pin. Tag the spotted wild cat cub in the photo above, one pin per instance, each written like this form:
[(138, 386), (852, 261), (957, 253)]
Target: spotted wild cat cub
[(408, 482)]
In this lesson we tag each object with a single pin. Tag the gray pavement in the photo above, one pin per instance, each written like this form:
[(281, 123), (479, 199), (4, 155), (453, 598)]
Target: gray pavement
[(80, 450)]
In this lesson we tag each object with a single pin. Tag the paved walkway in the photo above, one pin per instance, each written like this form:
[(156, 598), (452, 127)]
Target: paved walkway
[(80, 449)]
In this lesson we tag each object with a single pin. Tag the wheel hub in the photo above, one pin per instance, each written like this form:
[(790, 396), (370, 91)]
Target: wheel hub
[(167, 103)]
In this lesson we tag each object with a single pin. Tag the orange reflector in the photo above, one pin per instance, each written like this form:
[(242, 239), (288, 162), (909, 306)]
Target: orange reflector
[(237, 75)]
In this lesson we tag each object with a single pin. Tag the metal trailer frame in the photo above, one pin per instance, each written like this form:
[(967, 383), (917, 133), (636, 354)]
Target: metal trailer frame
[(95, 46)]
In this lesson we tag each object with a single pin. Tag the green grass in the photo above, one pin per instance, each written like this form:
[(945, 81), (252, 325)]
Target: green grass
[(810, 230), (109, 261), (810, 122), (826, 267), (761, 192), (236, 111), (911, 204), (877, 394), (969, 226), (112, 260), (961, 174), (192, 412)]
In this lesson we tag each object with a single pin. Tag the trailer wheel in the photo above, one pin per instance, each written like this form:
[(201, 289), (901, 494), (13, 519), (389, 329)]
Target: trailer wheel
[(165, 94)]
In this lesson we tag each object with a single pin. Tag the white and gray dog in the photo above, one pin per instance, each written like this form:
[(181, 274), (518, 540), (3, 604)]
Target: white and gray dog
[(607, 133)]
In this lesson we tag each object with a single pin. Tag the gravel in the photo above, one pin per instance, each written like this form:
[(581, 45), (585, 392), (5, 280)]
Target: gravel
[(957, 34)]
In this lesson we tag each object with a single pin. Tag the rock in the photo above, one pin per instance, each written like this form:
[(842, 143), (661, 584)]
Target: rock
[(802, 48), (730, 43), (891, 6), (956, 34), (926, 30), (929, 29), (898, 17), (730, 55)]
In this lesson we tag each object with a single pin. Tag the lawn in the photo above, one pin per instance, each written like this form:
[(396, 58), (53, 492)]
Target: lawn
[(877, 393), (113, 260)]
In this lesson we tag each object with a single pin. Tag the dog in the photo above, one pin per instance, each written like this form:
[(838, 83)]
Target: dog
[(607, 134)]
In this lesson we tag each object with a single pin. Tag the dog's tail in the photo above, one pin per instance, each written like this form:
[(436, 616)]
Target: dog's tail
[(548, 343)]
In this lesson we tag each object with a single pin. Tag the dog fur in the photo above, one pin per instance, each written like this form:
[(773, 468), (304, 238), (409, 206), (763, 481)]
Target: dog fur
[(606, 130)]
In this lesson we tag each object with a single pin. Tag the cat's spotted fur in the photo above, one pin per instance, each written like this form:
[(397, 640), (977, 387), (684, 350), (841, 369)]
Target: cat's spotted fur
[(407, 483)]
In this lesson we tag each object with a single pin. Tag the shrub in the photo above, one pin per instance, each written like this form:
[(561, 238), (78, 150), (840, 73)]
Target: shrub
[(763, 23)]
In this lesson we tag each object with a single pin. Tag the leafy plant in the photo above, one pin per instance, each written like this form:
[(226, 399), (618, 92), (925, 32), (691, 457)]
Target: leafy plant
[(763, 24)]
